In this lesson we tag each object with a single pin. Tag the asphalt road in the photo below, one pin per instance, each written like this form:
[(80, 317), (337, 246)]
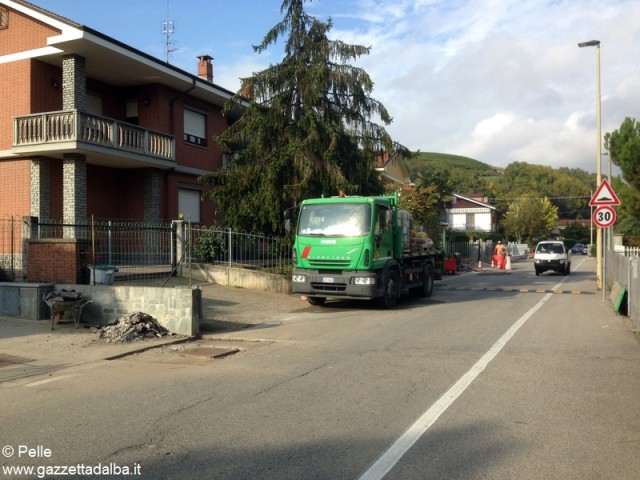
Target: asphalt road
[(494, 377)]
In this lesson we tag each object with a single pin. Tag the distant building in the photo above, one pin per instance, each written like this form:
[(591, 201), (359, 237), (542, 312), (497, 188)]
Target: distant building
[(471, 213)]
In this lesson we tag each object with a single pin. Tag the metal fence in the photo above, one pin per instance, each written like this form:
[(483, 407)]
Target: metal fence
[(136, 250), (241, 249), (622, 267), (11, 258), (142, 251), (471, 252)]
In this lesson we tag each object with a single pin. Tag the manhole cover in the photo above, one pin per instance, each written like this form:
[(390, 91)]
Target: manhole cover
[(8, 360), (208, 353)]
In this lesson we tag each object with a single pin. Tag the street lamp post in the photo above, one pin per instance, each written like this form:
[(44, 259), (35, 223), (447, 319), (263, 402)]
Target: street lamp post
[(596, 43)]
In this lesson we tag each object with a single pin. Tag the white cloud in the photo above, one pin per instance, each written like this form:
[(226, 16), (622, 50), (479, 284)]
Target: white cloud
[(500, 80)]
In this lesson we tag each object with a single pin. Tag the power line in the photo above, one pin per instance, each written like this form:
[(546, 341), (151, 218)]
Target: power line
[(498, 199)]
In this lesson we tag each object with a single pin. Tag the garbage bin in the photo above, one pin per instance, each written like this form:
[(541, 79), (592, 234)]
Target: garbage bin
[(102, 274)]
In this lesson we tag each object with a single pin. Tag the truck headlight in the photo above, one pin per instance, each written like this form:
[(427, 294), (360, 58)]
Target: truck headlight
[(299, 278), (365, 280)]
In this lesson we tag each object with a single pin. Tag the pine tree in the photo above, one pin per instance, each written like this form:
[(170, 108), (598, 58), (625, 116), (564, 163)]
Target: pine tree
[(307, 129)]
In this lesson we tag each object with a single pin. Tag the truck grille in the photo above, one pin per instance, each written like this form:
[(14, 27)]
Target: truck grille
[(329, 263), (328, 287)]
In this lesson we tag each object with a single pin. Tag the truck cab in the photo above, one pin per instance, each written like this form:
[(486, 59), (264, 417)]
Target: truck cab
[(356, 247)]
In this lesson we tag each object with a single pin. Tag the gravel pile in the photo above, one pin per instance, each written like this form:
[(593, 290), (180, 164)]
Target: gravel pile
[(131, 327)]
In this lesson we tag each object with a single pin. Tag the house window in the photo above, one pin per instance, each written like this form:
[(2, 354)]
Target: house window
[(189, 204), (471, 221), (132, 112), (195, 127)]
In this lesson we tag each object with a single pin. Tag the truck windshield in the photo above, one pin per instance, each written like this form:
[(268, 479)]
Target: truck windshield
[(335, 220)]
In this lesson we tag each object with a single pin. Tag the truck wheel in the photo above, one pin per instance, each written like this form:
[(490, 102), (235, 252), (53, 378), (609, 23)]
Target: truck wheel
[(426, 290), (391, 289), (316, 300)]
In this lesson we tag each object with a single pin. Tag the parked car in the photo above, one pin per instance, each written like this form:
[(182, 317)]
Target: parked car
[(585, 250), (578, 248), (552, 255)]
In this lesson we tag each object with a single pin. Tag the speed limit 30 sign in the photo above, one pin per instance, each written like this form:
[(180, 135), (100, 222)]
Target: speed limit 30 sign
[(604, 216)]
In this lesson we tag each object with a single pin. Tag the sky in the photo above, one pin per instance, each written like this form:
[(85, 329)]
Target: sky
[(500, 81)]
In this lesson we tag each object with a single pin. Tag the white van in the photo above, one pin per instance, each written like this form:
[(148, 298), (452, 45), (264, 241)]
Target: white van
[(552, 255)]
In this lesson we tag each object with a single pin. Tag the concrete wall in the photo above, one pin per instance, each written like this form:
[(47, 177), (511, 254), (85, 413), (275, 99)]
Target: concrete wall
[(237, 277), (176, 309), (24, 300)]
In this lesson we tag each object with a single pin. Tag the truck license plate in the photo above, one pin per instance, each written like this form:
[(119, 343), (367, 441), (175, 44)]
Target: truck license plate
[(328, 280)]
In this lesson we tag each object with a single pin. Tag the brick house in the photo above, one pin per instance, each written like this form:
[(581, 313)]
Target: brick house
[(93, 128)]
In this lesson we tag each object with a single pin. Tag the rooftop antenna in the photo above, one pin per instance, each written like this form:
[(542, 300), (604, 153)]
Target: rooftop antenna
[(168, 31)]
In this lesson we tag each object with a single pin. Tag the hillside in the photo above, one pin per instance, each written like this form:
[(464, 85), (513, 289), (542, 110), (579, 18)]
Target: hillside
[(465, 174), (567, 189), (438, 161)]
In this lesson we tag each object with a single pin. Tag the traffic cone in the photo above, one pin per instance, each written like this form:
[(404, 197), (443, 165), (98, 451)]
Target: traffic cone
[(493, 265), (479, 264)]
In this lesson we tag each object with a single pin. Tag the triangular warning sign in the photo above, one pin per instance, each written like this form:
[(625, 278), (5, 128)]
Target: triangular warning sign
[(604, 195)]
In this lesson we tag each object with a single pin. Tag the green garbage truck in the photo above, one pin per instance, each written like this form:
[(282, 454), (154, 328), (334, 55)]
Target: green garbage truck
[(362, 248)]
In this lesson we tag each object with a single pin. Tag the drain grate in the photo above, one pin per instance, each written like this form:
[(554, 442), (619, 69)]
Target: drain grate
[(8, 360)]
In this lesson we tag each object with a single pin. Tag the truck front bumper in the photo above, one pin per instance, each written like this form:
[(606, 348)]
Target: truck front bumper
[(364, 285)]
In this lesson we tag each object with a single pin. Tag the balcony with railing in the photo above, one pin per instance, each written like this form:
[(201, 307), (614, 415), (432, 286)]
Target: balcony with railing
[(66, 131)]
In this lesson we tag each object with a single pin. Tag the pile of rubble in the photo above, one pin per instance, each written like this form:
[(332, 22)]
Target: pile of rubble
[(131, 327)]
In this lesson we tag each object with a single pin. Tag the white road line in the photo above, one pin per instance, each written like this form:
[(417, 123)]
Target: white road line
[(386, 462), (50, 380)]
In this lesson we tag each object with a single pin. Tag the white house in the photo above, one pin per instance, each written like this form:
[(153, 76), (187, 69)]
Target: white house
[(471, 213)]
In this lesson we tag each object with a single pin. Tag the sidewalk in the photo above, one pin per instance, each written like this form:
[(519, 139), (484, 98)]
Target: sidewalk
[(30, 347)]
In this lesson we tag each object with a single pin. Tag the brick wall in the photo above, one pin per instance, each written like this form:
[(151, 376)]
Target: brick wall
[(57, 261), (15, 199), (14, 91), (209, 157), (24, 34)]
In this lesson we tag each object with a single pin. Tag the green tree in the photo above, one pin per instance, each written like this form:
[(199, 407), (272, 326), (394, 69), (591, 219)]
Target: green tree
[(308, 128), (565, 188), (425, 200), (578, 232), (529, 218), (624, 149)]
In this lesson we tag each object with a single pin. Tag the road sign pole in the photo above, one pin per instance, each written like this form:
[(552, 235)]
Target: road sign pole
[(604, 198), (604, 270), (604, 217)]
